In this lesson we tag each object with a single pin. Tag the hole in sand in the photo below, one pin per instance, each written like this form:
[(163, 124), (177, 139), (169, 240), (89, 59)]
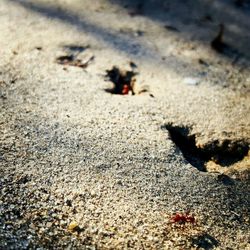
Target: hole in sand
[(123, 80), (222, 154)]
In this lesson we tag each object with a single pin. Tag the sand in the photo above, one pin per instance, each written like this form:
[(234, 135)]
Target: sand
[(82, 168)]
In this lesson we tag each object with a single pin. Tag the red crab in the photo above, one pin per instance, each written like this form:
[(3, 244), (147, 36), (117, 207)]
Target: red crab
[(125, 89), (183, 218)]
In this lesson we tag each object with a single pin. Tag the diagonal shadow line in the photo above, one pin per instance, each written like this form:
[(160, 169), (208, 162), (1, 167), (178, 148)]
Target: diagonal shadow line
[(117, 41)]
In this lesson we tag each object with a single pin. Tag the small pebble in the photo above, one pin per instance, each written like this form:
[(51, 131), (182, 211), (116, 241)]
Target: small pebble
[(191, 81), (72, 226)]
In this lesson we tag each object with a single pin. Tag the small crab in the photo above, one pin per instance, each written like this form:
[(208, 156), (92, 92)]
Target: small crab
[(183, 218)]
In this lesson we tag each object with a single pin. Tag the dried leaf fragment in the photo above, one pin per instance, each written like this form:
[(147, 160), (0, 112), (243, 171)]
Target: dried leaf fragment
[(72, 61)]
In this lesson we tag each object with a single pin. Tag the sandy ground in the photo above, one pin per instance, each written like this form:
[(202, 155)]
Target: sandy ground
[(82, 168)]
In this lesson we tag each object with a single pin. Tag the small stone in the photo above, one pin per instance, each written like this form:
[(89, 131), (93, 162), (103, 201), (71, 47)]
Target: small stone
[(62, 222), (191, 81), (49, 224), (73, 226), (92, 193)]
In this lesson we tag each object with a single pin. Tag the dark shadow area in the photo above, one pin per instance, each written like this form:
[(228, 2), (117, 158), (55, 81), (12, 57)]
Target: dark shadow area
[(205, 241), (194, 20), (187, 146), (225, 153), (226, 180)]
